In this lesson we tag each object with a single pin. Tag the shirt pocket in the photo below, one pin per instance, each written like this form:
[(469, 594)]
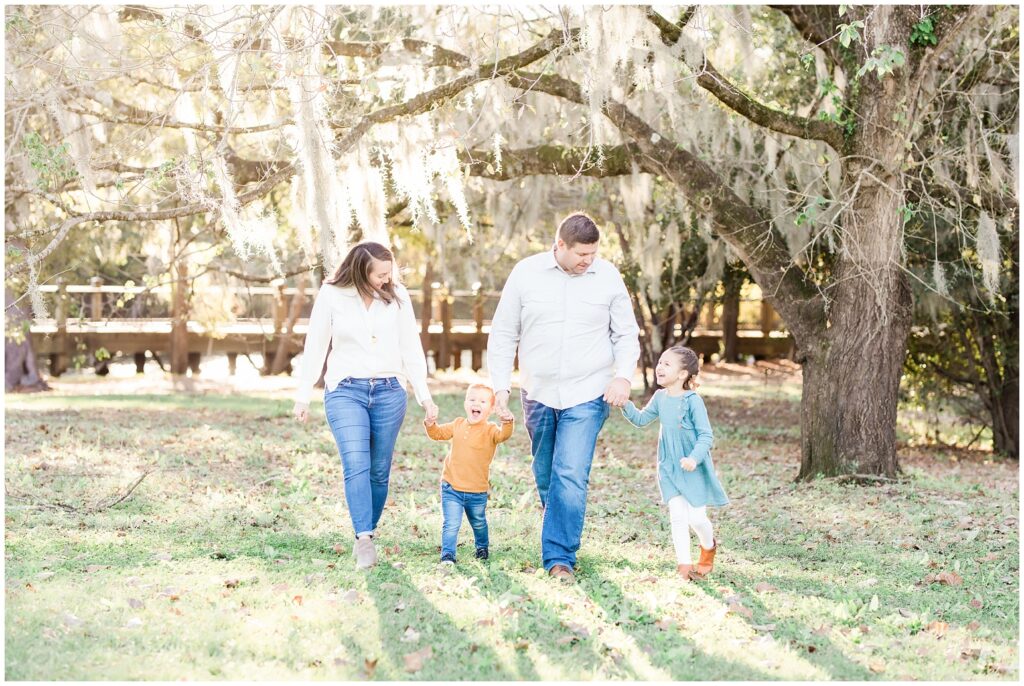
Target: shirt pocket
[(541, 308), (592, 311)]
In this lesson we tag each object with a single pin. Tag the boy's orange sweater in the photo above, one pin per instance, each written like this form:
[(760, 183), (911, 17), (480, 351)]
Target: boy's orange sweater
[(468, 464)]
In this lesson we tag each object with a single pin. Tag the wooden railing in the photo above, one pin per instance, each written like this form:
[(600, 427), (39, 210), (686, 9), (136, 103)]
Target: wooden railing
[(446, 337)]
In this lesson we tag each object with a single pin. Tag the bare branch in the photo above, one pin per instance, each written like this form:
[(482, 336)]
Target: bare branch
[(729, 94), (617, 160)]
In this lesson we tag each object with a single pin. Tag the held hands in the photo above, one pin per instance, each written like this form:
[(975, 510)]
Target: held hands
[(688, 463), (617, 392), (431, 409), (301, 412), (501, 404)]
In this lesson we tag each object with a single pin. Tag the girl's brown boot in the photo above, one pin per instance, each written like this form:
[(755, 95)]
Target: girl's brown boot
[(706, 562)]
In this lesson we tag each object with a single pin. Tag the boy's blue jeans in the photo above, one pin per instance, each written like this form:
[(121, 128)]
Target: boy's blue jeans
[(563, 444), (453, 504), (365, 416)]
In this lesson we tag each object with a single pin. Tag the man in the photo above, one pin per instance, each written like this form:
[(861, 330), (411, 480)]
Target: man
[(570, 316)]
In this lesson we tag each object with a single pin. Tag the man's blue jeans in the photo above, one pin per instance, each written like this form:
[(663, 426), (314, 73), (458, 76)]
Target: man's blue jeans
[(365, 416), (563, 444), (453, 504)]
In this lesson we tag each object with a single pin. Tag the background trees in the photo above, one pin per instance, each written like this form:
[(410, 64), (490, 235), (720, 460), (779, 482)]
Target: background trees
[(834, 151)]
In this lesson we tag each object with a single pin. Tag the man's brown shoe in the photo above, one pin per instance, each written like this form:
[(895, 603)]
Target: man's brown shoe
[(562, 573)]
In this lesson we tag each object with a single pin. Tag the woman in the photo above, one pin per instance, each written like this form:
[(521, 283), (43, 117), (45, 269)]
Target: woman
[(375, 348)]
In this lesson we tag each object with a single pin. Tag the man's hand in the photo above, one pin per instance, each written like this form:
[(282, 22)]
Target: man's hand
[(501, 403), (301, 411), (431, 409), (688, 463), (617, 392)]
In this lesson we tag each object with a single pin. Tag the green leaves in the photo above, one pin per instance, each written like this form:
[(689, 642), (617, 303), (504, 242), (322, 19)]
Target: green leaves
[(923, 33), (884, 60), (848, 33)]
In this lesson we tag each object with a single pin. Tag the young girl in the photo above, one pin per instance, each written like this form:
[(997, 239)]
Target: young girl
[(686, 474)]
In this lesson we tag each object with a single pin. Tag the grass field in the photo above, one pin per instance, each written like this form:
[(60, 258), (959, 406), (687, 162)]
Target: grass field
[(231, 559)]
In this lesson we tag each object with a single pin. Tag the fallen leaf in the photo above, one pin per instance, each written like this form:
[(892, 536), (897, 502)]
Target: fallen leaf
[(486, 621), (948, 579), (665, 624), (991, 557), (163, 557), (577, 629), (904, 612), (95, 568), (280, 587), (370, 666), (812, 648), (71, 620), (973, 625), (765, 587), (565, 640), (864, 628), (400, 605), (877, 665), (970, 653), (45, 575), (938, 628), (823, 630), (340, 549), (977, 604), (30, 587), (414, 661), (410, 635), (649, 580), (135, 604), (351, 596), (297, 600), (521, 644), (737, 608), (231, 583)]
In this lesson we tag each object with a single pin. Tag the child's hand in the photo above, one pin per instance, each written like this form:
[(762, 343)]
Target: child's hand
[(429, 421), (688, 463), (506, 416)]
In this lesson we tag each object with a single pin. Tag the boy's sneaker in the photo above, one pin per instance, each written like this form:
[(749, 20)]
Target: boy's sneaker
[(482, 554)]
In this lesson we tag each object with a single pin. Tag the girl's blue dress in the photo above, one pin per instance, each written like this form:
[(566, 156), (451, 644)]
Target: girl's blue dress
[(685, 432)]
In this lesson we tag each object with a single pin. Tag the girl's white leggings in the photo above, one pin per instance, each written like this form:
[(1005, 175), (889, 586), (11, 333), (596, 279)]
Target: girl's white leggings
[(685, 517)]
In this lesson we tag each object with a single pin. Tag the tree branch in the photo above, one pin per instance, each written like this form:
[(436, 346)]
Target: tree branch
[(556, 160), (739, 224), (730, 95)]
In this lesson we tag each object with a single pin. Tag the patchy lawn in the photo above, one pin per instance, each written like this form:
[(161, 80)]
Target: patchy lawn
[(231, 559)]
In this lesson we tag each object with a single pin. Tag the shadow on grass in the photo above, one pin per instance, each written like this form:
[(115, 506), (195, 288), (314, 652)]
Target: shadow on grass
[(669, 651)]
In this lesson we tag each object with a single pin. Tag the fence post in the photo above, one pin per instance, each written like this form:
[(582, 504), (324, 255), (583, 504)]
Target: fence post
[(444, 354), (766, 318), (478, 319), (96, 299), (59, 359)]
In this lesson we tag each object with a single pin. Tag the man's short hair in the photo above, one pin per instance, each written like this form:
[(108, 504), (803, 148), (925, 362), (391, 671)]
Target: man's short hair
[(578, 228)]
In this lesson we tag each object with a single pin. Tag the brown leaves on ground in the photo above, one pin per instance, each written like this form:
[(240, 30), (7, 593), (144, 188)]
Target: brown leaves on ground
[(414, 661), (938, 628), (944, 578), (765, 587)]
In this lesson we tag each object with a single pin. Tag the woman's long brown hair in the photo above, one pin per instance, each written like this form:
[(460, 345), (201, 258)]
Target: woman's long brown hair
[(355, 271)]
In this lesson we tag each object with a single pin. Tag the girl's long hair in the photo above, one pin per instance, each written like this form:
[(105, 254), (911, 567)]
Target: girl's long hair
[(354, 270), (691, 363)]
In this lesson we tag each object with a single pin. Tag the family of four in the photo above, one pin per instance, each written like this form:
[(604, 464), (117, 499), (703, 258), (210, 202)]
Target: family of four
[(568, 315)]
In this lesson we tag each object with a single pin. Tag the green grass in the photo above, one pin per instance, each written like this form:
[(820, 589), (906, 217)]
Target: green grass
[(231, 560)]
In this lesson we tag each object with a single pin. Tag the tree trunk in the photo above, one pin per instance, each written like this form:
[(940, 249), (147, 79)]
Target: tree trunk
[(20, 370), (733, 282), (283, 356), (179, 323)]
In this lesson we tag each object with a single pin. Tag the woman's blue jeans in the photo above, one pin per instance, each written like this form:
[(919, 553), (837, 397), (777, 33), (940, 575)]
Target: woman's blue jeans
[(365, 416), (453, 504)]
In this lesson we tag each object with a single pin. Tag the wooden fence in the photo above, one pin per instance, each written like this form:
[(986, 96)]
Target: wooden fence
[(90, 323)]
